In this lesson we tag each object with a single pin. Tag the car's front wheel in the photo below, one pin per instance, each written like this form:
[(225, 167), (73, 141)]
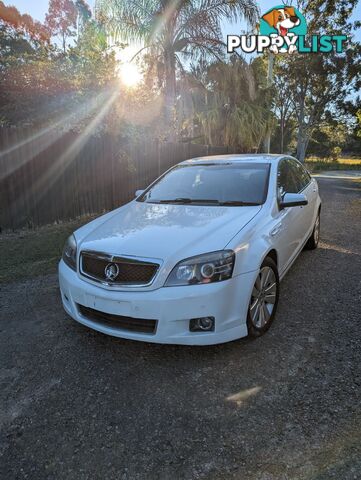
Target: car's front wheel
[(264, 299)]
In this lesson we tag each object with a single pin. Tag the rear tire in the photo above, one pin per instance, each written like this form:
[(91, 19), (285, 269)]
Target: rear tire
[(312, 242), (264, 299)]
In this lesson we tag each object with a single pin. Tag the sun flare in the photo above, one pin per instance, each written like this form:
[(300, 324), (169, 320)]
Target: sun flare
[(129, 74)]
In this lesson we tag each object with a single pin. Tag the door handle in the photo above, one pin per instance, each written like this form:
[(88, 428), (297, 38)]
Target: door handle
[(276, 229)]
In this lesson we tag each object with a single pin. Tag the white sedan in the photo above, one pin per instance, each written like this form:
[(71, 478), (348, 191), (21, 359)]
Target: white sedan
[(197, 257)]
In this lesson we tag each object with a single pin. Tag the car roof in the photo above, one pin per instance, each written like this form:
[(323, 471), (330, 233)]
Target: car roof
[(236, 158)]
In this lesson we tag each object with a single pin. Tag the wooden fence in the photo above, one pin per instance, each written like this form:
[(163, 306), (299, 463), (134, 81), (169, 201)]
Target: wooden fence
[(49, 176)]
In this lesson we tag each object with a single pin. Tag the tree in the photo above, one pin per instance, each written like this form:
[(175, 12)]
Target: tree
[(91, 63), (317, 83), (83, 16), (234, 104), (284, 109), (174, 30), (329, 136), (61, 19), (25, 25), (40, 86), (22, 42), (352, 117)]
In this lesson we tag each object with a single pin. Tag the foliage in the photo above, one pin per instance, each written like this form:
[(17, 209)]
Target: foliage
[(41, 85), (332, 133), (91, 61), (318, 84), (84, 15), (190, 87), (232, 104), (61, 19), (284, 110), (22, 41), (335, 153), (24, 25), (173, 31)]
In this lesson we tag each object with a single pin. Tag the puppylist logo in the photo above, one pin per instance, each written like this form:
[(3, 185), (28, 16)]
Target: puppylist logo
[(283, 29)]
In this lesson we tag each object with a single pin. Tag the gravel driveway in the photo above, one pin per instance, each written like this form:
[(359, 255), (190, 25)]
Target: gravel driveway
[(76, 404)]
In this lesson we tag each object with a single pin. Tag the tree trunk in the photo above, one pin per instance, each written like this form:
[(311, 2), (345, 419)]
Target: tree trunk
[(64, 44), (282, 132), (302, 137), (267, 140), (302, 143), (170, 93)]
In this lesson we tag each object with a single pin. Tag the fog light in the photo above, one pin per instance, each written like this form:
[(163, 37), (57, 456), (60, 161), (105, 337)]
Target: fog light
[(204, 324)]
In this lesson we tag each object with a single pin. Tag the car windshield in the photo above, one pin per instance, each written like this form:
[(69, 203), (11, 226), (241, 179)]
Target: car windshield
[(233, 184)]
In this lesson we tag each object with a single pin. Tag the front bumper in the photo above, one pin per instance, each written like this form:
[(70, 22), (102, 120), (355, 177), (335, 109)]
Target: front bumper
[(172, 307)]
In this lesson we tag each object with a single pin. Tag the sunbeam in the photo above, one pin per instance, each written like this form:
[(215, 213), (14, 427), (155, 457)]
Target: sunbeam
[(46, 136), (48, 179)]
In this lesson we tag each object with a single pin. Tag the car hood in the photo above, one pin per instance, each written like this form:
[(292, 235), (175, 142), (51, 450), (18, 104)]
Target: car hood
[(166, 232)]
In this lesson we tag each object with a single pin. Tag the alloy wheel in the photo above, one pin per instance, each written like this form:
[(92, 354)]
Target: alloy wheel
[(316, 233), (263, 297)]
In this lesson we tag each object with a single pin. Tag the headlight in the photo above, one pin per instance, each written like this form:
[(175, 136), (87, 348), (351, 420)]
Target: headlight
[(208, 268), (69, 252)]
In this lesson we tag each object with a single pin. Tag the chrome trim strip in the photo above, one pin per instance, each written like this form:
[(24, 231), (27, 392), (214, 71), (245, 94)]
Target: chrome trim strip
[(110, 257)]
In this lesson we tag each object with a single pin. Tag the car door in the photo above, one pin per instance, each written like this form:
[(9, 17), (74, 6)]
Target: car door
[(308, 186), (290, 231)]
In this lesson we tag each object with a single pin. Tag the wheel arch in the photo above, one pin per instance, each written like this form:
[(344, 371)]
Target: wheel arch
[(272, 254)]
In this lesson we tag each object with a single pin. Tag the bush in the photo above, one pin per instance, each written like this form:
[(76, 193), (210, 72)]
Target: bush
[(335, 153)]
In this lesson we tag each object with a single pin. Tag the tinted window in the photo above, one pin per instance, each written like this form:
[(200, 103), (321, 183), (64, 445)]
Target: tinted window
[(302, 176), (292, 176), (286, 179), (211, 184)]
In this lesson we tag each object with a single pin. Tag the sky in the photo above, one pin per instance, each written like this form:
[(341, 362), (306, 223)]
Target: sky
[(38, 8)]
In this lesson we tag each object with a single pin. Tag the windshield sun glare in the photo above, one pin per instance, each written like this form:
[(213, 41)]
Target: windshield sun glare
[(243, 184)]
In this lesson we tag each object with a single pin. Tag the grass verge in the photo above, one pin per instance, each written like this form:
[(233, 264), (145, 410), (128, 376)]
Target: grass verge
[(30, 253), (316, 164)]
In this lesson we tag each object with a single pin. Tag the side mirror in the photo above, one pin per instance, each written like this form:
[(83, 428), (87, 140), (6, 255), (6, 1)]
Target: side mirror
[(138, 192), (293, 200)]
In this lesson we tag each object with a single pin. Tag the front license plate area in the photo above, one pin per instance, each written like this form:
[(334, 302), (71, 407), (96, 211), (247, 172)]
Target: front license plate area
[(108, 306)]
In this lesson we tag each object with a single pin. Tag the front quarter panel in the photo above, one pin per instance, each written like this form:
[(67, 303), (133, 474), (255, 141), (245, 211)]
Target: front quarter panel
[(253, 243)]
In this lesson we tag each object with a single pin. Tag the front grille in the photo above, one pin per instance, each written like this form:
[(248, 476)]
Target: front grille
[(140, 325), (130, 271)]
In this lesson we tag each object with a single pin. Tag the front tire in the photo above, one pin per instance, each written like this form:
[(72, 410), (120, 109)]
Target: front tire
[(312, 242), (264, 299)]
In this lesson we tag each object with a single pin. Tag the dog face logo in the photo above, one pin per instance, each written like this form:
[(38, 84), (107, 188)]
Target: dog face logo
[(282, 19), (286, 23)]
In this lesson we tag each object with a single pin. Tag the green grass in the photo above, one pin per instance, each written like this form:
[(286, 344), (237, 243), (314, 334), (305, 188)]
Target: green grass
[(30, 253), (317, 164)]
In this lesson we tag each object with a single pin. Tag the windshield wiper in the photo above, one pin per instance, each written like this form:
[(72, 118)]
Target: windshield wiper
[(237, 203), (188, 200)]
